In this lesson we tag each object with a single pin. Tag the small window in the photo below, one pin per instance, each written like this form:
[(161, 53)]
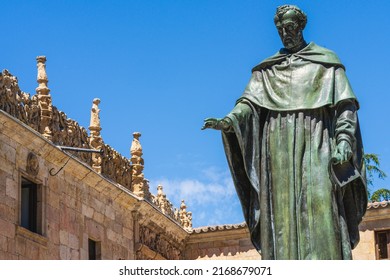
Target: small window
[(94, 248), (31, 206), (383, 244)]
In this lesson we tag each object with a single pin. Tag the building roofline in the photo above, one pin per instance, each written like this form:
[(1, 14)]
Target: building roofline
[(376, 204)]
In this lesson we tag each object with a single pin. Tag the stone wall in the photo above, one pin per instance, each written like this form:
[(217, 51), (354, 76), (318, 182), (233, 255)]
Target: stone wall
[(377, 218)]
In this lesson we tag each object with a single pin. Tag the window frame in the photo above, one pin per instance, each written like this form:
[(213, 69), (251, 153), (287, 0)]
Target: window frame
[(38, 226), (377, 233), (95, 254)]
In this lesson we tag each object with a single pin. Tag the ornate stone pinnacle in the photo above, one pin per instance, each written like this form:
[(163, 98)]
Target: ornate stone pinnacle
[(95, 140), (185, 217), (136, 148), (159, 189), (94, 124), (137, 135), (161, 200), (42, 76), (44, 99), (137, 183)]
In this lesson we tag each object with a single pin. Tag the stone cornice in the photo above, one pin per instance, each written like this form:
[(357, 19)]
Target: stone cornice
[(377, 211)]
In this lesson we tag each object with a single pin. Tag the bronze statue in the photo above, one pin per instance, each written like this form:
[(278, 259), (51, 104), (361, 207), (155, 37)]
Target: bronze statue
[(296, 121)]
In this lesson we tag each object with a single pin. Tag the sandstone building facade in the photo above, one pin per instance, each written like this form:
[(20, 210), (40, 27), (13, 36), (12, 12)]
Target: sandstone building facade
[(65, 194)]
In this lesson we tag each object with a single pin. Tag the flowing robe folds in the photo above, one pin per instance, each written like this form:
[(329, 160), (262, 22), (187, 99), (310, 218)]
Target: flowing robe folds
[(285, 129)]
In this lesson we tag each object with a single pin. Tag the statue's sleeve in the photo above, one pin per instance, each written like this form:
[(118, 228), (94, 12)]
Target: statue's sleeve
[(354, 197), (242, 149), (241, 112), (346, 121)]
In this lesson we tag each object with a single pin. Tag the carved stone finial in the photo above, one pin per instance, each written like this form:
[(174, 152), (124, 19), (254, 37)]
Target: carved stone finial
[(42, 76), (137, 183), (95, 118), (95, 139), (136, 148), (160, 190), (147, 194), (161, 200), (185, 217), (137, 135), (44, 99), (183, 211)]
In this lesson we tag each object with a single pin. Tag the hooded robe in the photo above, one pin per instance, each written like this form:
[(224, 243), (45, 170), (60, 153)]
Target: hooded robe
[(285, 128)]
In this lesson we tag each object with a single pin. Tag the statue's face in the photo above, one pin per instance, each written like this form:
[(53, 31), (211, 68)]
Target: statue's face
[(289, 30)]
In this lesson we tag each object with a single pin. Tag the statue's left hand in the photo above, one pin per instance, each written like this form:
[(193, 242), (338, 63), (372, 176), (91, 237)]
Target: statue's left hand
[(344, 151)]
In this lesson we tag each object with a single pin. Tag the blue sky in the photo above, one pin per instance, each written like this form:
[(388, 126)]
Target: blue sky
[(161, 67)]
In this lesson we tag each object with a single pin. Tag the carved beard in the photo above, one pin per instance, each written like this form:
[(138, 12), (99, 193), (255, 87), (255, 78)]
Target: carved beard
[(292, 42)]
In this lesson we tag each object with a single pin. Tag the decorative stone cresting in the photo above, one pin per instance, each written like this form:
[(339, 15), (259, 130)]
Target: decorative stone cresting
[(147, 194), (34, 111), (116, 167), (183, 217)]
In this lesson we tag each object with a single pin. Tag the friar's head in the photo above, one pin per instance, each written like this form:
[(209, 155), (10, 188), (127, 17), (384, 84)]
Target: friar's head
[(290, 22)]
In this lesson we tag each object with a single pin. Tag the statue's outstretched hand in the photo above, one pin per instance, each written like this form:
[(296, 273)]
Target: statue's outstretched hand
[(210, 123), (219, 124)]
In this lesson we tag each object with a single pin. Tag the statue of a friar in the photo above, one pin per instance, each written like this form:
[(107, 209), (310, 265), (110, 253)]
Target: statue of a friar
[(291, 141)]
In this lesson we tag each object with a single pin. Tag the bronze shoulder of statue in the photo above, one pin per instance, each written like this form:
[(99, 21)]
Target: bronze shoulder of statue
[(218, 124)]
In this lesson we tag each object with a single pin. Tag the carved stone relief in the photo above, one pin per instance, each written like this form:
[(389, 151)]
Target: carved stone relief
[(158, 243), (32, 164)]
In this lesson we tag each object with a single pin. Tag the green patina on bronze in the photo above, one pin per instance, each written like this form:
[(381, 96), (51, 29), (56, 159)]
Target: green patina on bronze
[(297, 114)]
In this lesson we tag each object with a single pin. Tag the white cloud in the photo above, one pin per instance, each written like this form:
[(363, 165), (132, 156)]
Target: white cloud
[(212, 198)]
